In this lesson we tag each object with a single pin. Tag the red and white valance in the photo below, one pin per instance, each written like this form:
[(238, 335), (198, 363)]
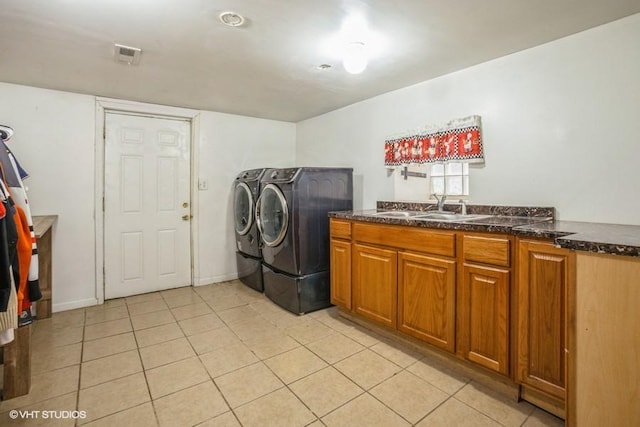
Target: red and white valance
[(459, 140)]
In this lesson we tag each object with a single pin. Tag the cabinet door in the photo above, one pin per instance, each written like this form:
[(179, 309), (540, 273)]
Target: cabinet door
[(375, 283), (341, 273), (485, 326), (426, 298), (543, 275)]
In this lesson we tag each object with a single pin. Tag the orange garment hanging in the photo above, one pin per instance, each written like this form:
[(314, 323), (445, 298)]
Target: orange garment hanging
[(28, 289), (24, 257)]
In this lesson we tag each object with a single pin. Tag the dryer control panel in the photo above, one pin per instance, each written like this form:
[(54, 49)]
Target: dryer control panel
[(281, 175)]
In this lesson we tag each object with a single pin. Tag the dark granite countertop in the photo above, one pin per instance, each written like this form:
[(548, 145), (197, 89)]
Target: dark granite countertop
[(495, 224), (601, 238), (583, 236)]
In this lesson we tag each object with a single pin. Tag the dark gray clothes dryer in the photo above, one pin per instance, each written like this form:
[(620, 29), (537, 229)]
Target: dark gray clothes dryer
[(298, 294), (291, 215)]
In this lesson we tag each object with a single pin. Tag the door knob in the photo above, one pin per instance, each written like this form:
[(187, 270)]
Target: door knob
[(185, 205), (186, 217)]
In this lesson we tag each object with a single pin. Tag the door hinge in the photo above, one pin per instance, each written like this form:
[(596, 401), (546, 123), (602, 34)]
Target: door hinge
[(102, 203)]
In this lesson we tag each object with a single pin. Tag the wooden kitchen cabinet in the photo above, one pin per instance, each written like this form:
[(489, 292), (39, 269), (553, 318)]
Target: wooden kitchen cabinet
[(424, 274), (340, 260), (374, 283), (484, 302), (484, 314), (426, 298), (604, 341), (415, 280), (340, 273), (544, 273)]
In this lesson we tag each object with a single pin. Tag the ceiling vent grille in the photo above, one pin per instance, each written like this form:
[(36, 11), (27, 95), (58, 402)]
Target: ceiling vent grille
[(127, 54)]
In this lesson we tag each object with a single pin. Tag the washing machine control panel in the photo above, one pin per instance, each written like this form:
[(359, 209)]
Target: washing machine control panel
[(250, 175)]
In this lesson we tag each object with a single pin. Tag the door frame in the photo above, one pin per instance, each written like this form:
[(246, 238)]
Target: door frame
[(108, 105)]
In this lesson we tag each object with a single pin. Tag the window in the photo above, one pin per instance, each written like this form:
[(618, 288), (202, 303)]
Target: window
[(450, 178)]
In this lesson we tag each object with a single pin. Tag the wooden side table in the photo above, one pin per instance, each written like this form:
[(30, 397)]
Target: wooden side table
[(17, 364), (42, 227), (17, 354)]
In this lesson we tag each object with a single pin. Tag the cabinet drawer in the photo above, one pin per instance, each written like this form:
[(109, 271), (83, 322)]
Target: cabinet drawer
[(340, 228), (489, 250), (412, 238)]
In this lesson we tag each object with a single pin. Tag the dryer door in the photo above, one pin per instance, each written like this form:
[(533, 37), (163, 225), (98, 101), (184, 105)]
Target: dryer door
[(272, 215), (243, 208)]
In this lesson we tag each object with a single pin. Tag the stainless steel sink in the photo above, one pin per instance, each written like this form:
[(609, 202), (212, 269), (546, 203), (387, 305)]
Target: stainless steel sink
[(430, 216), (447, 216), (395, 214)]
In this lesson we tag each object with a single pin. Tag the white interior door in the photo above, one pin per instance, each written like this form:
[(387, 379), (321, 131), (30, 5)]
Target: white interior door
[(147, 204)]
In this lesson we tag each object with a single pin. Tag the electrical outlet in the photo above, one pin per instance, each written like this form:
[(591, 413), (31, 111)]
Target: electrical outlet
[(203, 184)]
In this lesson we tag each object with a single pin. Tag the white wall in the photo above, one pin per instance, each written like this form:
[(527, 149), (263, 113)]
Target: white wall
[(561, 126), (230, 144), (54, 140)]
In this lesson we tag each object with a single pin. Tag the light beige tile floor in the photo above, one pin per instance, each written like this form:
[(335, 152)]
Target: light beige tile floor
[(224, 355)]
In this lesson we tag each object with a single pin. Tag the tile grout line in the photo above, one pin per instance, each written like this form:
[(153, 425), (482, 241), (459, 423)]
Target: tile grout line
[(292, 392), (84, 324), (396, 412), (340, 373), (262, 361), (473, 407), (368, 391), (434, 409), (226, 324), (281, 327), (99, 384), (144, 371), (210, 377)]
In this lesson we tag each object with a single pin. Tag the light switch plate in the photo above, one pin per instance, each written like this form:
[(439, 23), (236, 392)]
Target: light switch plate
[(203, 184)]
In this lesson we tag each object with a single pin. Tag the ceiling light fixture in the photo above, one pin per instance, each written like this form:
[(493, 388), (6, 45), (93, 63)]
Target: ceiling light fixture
[(355, 44), (231, 19), (355, 58)]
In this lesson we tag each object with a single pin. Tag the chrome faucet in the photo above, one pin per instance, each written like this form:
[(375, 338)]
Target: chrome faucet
[(440, 200), (463, 208)]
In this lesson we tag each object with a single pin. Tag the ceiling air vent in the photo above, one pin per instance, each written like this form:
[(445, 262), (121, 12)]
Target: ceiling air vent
[(127, 54)]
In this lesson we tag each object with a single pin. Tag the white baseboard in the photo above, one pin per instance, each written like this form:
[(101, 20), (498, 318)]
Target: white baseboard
[(215, 279), (73, 304)]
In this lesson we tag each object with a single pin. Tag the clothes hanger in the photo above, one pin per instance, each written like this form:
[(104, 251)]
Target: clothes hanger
[(5, 133)]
